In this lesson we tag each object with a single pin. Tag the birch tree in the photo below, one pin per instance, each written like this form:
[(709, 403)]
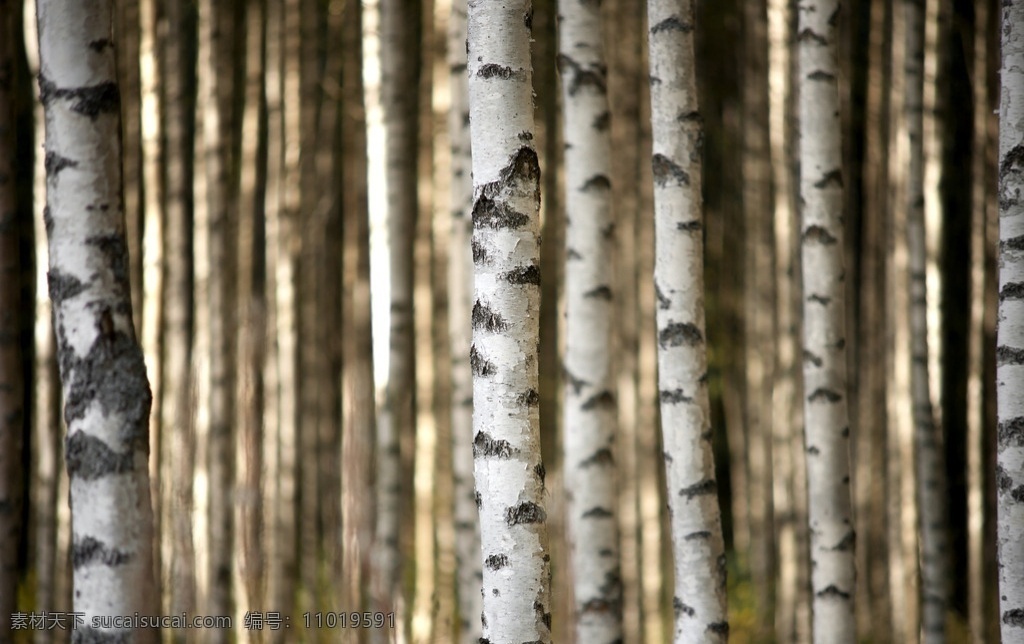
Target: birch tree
[(590, 393), (12, 404), (460, 304), (1010, 328), (825, 392), (504, 354), (106, 394), (931, 492), (677, 127)]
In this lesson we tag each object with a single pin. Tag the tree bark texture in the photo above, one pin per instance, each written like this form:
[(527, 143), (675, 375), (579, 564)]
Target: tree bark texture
[(825, 390), (699, 601), (106, 394), (590, 408), (505, 317), (1010, 328), (460, 305)]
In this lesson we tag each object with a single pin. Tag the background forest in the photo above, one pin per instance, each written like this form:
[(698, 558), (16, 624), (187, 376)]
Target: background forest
[(295, 200)]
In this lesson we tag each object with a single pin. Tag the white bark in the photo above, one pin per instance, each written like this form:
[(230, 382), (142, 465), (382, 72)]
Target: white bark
[(505, 317), (825, 390), (699, 596), (590, 394), (107, 397), (460, 303), (1010, 328)]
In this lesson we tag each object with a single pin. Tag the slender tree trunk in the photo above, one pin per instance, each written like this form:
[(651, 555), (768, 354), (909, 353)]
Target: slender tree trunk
[(927, 435), (12, 386), (590, 394), (825, 391), (1010, 340), (107, 398), (128, 37), (504, 354), (460, 303), (699, 600)]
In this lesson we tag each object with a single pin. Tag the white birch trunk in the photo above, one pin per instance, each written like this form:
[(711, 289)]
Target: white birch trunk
[(699, 600), (460, 303), (107, 397), (1010, 328), (825, 391), (505, 318), (590, 393), (928, 444)]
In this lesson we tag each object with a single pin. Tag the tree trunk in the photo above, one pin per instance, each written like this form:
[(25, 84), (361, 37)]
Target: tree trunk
[(927, 435), (504, 353), (824, 302), (107, 397), (590, 393), (460, 303), (1010, 340), (12, 386), (699, 600)]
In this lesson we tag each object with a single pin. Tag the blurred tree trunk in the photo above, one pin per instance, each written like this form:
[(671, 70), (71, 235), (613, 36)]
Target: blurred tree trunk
[(1010, 347), (12, 385), (107, 398), (825, 402), (699, 601), (127, 30), (506, 445)]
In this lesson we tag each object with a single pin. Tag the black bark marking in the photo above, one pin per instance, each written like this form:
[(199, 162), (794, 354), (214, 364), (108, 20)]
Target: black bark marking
[(601, 400), (523, 275), (1003, 480), (523, 166), (1010, 433), (528, 19), (577, 384), (481, 366), (654, 80), (89, 458), (680, 608), (821, 393), (113, 373), (719, 628), (63, 286), (672, 23), (602, 121), (831, 178), (1012, 160), (690, 226), (530, 398), (699, 535), (819, 299), (813, 450), (707, 486), (480, 254), (598, 513), (680, 333), (541, 473), (598, 605), (663, 302), (846, 543), (457, 68), (600, 293), (88, 550), (1014, 617), (820, 75), (832, 591), (486, 445), (666, 170), (47, 220), (114, 249), (100, 44), (601, 457), (545, 616), (525, 512), (493, 70), (812, 358), (478, 500), (593, 76), (1017, 494), (496, 562), (485, 318), (525, 136), (819, 235), (54, 163), (1012, 291), (674, 396), (596, 182), (572, 253), (808, 34), (1014, 243), (488, 213), (91, 100)]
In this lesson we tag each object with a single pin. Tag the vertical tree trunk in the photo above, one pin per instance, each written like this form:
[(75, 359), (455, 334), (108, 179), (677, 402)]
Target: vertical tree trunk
[(824, 303), (699, 600), (506, 255), (107, 398), (460, 303), (928, 443), (128, 37), (1010, 340), (590, 406), (12, 386)]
